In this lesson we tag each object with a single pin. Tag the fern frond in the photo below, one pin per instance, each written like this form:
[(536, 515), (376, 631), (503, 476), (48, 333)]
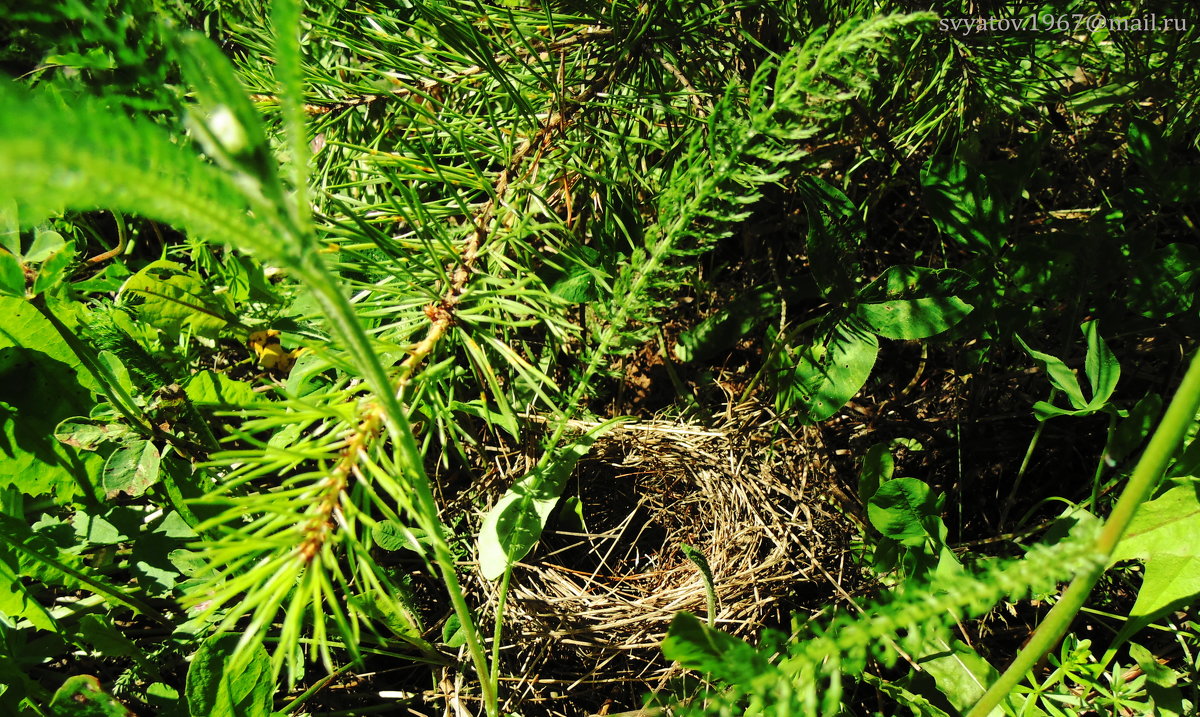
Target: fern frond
[(752, 140), (807, 677), (81, 155)]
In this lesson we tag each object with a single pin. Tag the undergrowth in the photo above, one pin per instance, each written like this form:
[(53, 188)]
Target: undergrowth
[(277, 281)]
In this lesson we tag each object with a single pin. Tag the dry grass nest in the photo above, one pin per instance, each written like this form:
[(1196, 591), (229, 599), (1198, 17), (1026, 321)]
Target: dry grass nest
[(589, 607)]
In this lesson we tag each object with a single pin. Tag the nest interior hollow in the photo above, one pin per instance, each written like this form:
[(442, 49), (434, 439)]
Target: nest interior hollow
[(589, 607)]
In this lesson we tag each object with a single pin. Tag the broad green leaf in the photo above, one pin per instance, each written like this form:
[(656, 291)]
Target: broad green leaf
[(576, 283), (131, 469), (173, 298), (1156, 672), (165, 700), (452, 632), (390, 535), (91, 529), (901, 508), (10, 227), (1060, 376), (12, 275), (44, 383), (913, 318), (42, 556), (877, 468), (82, 696), (209, 388), (720, 655), (45, 243), (54, 269), (829, 373), (513, 526), (1163, 536), (1187, 462), (1100, 366), (16, 599), (912, 302), (117, 371), (960, 673), (215, 686), (570, 515), (89, 434), (391, 612)]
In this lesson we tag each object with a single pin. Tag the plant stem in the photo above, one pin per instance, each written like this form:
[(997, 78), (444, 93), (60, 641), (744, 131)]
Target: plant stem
[(317, 687), (1171, 431), (1012, 494), (710, 590), (344, 321), (499, 629), (1112, 427)]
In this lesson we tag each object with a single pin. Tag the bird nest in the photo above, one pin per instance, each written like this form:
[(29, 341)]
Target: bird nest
[(589, 607)]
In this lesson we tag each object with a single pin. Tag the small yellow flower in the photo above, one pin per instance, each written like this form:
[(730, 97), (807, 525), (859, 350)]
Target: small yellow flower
[(270, 352)]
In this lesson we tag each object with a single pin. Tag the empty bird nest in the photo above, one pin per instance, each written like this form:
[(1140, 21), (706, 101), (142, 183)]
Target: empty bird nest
[(588, 608)]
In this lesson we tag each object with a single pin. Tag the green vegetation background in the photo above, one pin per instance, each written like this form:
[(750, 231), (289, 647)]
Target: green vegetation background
[(273, 278)]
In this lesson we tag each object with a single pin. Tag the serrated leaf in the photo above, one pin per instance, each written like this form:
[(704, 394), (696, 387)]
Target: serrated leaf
[(514, 525), (173, 298), (16, 600), (228, 126), (99, 633)]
